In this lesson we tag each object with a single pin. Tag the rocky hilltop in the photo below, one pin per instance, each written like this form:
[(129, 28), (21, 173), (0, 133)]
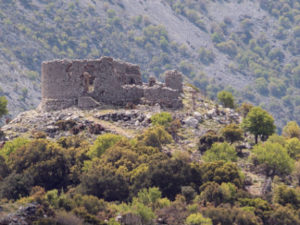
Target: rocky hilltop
[(248, 47), (128, 121)]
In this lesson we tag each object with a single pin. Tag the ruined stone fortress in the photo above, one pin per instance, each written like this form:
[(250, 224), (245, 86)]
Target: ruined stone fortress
[(90, 83)]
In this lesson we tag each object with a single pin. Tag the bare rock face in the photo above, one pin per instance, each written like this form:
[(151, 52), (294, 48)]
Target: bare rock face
[(88, 83)]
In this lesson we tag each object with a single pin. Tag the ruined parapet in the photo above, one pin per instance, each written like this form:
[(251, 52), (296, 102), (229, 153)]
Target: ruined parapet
[(89, 83), (151, 81), (164, 96), (173, 79)]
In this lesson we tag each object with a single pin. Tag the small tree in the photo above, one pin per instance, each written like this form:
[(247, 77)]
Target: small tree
[(3, 106), (291, 130), (226, 99), (293, 147), (274, 157), (232, 133), (259, 123)]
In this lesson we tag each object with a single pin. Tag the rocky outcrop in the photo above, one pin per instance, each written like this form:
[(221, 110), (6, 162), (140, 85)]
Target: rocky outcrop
[(26, 215)]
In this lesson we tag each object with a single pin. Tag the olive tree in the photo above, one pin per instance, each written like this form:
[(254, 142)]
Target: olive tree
[(259, 123)]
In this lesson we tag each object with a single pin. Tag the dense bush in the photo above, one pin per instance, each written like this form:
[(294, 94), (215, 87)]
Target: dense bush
[(46, 162), (221, 172), (198, 219), (217, 194), (206, 56), (170, 175), (11, 146), (162, 119), (293, 147), (228, 47), (16, 185), (274, 157), (102, 143), (3, 106), (220, 151), (105, 183), (207, 140), (283, 215), (155, 137), (226, 99), (291, 130), (232, 133), (287, 196), (230, 216)]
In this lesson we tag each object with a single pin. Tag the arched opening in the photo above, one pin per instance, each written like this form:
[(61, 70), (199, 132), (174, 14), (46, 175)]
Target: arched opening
[(88, 82), (131, 81)]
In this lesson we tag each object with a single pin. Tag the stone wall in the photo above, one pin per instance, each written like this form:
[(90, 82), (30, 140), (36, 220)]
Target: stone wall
[(88, 83)]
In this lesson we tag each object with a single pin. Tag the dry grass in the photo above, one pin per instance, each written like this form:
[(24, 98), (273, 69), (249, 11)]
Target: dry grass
[(66, 218)]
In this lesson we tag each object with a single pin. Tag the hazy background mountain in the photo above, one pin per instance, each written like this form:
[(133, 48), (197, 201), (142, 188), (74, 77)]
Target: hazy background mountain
[(251, 48)]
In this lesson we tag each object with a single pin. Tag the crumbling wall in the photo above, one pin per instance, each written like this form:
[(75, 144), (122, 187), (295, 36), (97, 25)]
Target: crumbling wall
[(164, 96), (88, 83), (174, 80)]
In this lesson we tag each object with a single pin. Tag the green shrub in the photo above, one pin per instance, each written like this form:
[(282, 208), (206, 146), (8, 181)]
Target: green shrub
[(15, 186), (226, 99), (293, 147), (296, 31), (212, 192), (220, 151), (11, 146), (228, 47), (221, 172), (3, 106), (169, 176), (155, 137), (276, 54), (91, 203), (102, 143), (149, 197), (207, 140), (232, 133), (206, 56), (217, 37), (284, 215), (198, 219), (102, 181), (45, 162), (261, 86), (162, 119), (227, 215), (277, 88), (4, 170), (285, 196), (188, 192), (274, 157), (291, 130)]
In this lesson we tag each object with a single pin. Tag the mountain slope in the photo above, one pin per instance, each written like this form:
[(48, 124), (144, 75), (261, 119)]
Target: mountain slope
[(248, 47)]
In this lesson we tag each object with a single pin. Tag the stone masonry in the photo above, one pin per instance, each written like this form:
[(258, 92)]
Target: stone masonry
[(90, 83)]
